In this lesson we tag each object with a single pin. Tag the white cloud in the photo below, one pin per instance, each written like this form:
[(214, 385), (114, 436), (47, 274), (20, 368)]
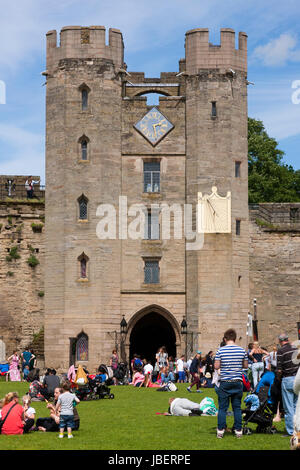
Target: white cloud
[(278, 51)]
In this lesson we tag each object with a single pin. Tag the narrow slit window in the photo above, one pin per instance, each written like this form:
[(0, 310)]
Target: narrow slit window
[(237, 169), (83, 208), (84, 99), (84, 150), (238, 227), (213, 109)]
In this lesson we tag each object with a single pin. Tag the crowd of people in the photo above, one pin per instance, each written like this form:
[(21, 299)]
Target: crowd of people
[(231, 371)]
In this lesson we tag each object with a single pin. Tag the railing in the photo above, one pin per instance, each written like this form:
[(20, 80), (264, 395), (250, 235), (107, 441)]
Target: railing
[(11, 191)]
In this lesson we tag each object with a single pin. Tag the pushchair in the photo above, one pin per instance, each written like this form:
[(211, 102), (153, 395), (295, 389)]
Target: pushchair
[(97, 386), (262, 412), (121, 374)]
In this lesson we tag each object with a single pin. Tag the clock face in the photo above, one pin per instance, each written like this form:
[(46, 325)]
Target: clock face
[(154, 126)]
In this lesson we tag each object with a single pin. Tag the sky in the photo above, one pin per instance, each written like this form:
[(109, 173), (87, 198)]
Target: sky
[(154, 34)]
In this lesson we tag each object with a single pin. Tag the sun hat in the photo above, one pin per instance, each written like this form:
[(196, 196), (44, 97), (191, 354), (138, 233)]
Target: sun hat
[(199, 352)]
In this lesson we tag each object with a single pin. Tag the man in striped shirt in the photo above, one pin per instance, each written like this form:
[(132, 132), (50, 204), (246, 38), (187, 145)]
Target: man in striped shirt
[(231, 360), (287, 370)]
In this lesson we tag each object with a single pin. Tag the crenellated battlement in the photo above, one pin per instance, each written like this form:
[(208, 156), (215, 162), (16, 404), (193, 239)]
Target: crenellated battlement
[(78, 42), (201, 54)]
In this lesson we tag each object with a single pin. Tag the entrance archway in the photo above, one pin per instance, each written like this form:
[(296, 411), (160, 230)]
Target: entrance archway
[(151, 330)]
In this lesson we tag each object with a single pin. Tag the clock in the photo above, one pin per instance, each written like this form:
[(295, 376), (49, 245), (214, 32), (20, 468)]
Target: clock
[(154, 126)]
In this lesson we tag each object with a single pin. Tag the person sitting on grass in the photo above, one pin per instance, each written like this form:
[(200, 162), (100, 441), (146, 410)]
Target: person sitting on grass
[(65, 404), (138, 379), (29, 414), (14, 415)]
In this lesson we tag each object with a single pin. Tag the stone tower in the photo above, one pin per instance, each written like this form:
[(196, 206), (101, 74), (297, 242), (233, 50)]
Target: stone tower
[(216, 155), (95, 154)]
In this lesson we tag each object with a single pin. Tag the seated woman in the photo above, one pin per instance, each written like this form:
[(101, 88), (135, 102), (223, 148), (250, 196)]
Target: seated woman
[(166, 375), (51, 424), (14, 416), (138, 379)]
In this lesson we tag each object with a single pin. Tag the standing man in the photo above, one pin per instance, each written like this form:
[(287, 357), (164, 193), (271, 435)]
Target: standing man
[(287, 370), (231, 360)]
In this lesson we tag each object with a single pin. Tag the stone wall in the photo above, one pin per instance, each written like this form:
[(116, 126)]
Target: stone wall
[(275, 269), (21, 286)]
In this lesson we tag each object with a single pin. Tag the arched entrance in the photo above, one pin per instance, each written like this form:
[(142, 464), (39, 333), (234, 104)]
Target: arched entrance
[(151, 329)]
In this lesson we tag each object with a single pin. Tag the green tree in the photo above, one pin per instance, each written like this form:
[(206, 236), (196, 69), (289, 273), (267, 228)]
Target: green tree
[(270, 179)]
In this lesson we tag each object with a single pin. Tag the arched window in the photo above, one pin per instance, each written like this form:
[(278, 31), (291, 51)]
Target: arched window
[(83, 266), (84, 147), (83, 207), (84, 91), (82, 347), (83, 150)]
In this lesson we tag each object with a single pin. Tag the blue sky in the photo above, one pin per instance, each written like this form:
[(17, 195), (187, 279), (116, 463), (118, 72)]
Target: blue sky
[(154, 35)]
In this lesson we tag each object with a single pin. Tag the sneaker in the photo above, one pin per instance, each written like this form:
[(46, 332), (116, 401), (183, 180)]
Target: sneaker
[(70, 436), (199, 391), (189, 389), (220, 433), (60, 436), (238, 434)]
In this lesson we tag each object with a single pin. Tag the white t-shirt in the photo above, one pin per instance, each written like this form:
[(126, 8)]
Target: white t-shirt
[(180, 365), (30, 412), (148, 369)]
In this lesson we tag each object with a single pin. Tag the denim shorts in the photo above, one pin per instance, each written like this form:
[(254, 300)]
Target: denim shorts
[(66, 421)]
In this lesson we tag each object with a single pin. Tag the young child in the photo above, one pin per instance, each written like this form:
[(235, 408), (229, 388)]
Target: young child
[(29, 412), (25, 373), (66, 404)]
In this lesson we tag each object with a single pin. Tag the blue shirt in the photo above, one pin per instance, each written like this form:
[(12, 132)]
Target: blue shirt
[(231, 358)]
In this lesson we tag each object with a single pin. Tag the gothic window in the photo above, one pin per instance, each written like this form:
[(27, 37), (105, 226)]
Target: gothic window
[(83, 265), (151, 272), (83, 207), (83, 148), (152, 177), (82, 347), (84, 93)]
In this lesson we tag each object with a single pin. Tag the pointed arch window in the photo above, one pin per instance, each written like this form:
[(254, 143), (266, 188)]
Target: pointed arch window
[(82, 347), (83, 260), (84, 147), (83, 207), (84, 91)]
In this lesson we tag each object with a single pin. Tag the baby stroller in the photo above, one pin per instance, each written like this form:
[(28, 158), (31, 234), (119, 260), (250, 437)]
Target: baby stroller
[(121, 374), (102, 381), (260, 410)]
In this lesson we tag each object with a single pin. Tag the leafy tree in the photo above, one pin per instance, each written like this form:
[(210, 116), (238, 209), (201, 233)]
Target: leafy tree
[(270, 179)]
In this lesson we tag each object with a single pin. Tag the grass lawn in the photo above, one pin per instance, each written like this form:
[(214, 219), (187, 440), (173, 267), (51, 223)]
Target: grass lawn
[(129, 422)]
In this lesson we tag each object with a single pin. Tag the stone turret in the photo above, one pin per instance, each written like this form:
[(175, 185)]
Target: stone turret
[(200, 54), (77, 42)]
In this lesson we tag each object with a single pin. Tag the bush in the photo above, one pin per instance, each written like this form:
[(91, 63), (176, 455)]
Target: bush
[(13, 254), (37, 227), (33, 261)]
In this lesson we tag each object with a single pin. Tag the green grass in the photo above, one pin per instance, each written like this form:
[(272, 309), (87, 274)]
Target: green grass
[(129, 422)]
